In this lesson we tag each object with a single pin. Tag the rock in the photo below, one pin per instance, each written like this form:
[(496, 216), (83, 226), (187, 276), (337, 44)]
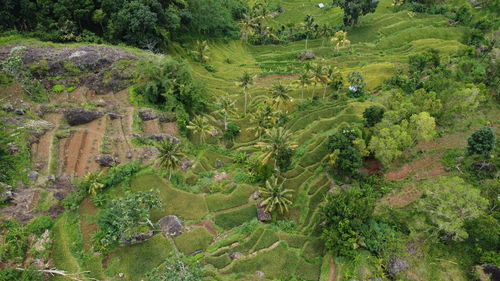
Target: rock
[(121, 275), (197, 252), (157, 136), (459, 159), (397, 264), (259, 274), (15, 121), (171, 225), (492, 270), (107, 160), (38, 127), (7, 107), (139, 237), (33, 175), (220, 176), (168, 117), (307, 55), (147, 114), (236, 255), (346, 186), (51, 178), (262, 214), (114, 115), (256, 195), (13, 148), (149, 152), (186, 163), (129, 155), (19, 111), (219, 164), (78, 116)]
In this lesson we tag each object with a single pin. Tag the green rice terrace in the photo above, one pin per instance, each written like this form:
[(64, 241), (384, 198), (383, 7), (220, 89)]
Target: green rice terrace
[(285, 140)]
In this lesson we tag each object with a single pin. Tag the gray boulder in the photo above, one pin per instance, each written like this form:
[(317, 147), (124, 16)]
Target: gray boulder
[(78, 116), (236, 255), (107, 160), (157, 136), (171, 225), (307, 55), (186, 163), (397, 264), (33, 175), (262, 214), (8, 107), (13, 148), (147, 114)]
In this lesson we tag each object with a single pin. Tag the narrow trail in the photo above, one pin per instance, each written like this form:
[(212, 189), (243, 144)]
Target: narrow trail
[(333, 270)]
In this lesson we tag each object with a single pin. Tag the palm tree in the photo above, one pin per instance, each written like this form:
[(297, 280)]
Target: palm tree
[(275, 140), (201, 50), (244, 82), (200, 126), (340, 39), (324, 31), (304, 80), (92, 181), (170, 155), (318, 74), (275, 196), (263, 118), (279, 95), (226, 108), (309, 26)]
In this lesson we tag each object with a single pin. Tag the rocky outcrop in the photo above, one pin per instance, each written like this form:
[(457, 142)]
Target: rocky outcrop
[(262, 214), (397, 265), (307, 55), (139, 237), (107, 160), (186, 163), (147, 114), (157, 136), (171, 226), (78, 116)]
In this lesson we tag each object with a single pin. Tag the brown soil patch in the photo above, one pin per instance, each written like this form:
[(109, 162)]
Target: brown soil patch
[(402, 197), (208, 225), (170, 128), (267, 81), (87, 211), (429, 166), (77, 153), (78, 96), (151, 126)]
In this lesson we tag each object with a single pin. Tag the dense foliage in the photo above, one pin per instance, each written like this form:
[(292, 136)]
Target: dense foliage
[(123, 217), (179, 268), (347, 150), (482, 141)]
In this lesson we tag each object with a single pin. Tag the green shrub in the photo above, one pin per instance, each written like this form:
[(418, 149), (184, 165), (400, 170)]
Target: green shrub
[(239, 196), (58, 88), (39, 224)]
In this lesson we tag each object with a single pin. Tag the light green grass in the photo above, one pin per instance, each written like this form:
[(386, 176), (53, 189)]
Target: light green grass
[(236, 217), (239, 196), (194, 240)]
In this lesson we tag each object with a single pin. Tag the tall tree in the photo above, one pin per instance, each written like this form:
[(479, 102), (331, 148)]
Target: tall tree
[(482, 141), (310, 26), (304, 80), (449, 202), (353, 9), (275, 196), (226, 108), (276, 141), (280, 97), (244, 83), (170, 155), (200, 126)]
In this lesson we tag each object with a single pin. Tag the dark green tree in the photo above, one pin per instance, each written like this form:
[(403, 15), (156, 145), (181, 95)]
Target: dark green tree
[(373, 115), (353, 9), (482, 141), (344, 145), (343, 217)]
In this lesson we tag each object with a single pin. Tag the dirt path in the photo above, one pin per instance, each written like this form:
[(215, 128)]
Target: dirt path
[(77, 153), (42, 150), (333, 270)]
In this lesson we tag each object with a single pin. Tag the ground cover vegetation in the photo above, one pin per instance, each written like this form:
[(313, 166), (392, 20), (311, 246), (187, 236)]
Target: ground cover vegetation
[(249, 140)]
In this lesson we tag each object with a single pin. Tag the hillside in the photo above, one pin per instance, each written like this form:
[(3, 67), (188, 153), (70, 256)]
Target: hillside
[(304, 148)]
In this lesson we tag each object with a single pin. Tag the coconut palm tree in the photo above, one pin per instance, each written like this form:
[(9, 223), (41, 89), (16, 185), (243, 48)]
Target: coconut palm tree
[(324, 31), (226, 108), (244, 83), (309, 26), (275, 196), (275, 140), (200, 126), (263, 119), (304, 80), (92, 182), (170, 155), (279, 95), (340, 39), (318, 75)]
